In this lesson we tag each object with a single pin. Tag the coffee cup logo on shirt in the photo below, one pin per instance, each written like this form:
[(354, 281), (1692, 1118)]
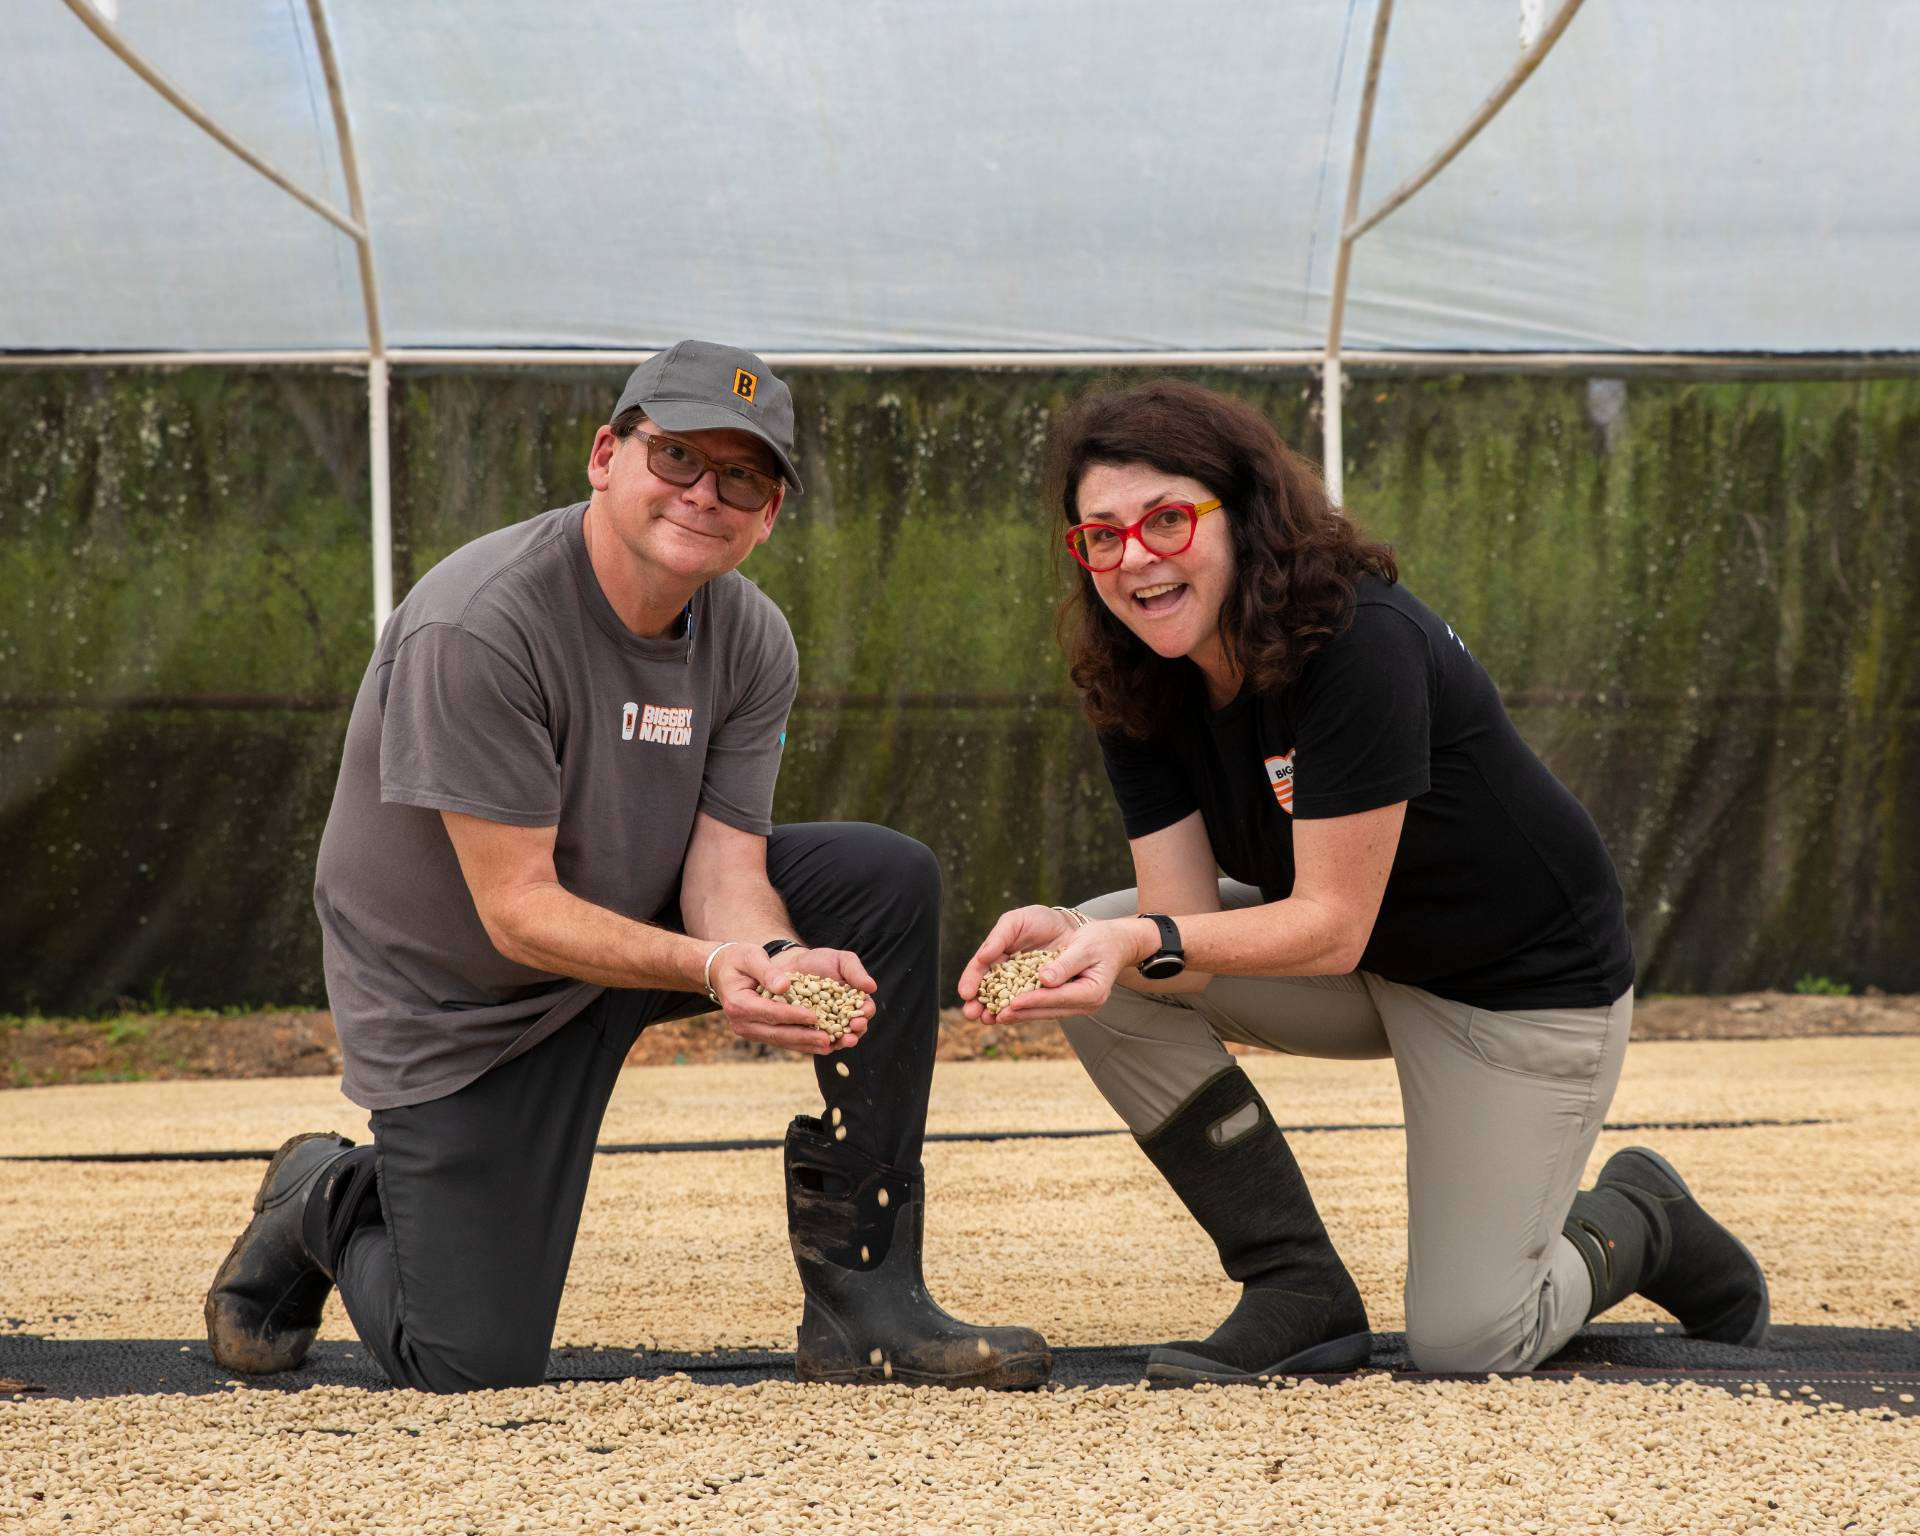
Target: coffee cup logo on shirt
[(666, 724), (1280, 776)]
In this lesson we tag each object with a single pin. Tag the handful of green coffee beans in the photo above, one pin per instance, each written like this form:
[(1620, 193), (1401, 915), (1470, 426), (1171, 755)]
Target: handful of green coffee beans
[(1010, 976), (833, 1003)]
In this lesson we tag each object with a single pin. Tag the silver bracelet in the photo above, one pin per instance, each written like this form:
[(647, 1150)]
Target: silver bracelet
[(1080, 919), (706, 971)]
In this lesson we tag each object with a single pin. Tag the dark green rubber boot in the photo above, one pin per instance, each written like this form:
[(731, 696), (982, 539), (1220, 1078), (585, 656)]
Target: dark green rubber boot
[(1641, 1231), (856, 1230), (1299, 1310)]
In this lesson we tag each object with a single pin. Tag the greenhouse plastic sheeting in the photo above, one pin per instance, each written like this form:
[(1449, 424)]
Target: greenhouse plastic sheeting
[(862, 175)]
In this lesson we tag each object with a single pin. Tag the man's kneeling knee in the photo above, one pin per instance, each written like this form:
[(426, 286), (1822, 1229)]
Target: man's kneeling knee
[(906, 867), (482, 1368)]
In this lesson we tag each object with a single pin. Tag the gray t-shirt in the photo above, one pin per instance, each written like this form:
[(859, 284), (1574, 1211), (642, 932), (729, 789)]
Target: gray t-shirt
[(506, 687)]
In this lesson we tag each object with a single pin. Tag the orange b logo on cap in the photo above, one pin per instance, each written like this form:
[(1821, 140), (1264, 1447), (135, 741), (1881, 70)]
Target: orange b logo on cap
[(744, 383)]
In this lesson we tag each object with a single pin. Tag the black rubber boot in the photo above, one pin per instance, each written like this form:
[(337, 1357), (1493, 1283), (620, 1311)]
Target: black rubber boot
[(263, 1308), (1640, 1230), (856, 1230), (1299, 1310)]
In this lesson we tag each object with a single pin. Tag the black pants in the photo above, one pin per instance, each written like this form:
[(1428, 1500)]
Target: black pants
[(456, 1284)]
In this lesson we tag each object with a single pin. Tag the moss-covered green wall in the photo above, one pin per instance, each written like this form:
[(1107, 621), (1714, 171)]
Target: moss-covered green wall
[(1699, 598)]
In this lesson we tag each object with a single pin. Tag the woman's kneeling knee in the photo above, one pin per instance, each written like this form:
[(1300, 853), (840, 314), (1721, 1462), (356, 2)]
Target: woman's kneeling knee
[(1109, 905), (1469, 1343), (1474, 1357)]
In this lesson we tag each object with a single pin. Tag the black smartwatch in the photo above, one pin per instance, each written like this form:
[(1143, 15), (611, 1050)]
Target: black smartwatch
[(776, 946), (1169, 960)]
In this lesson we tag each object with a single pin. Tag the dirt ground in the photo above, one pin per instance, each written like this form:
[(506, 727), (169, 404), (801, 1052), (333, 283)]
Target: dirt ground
[(301, 1043)]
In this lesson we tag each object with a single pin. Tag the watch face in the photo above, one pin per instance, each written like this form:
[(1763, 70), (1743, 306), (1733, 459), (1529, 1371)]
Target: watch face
[(1160, 967)]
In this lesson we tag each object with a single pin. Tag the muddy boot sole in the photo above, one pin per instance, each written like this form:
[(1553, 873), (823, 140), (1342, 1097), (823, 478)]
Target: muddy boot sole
[(1004, 1373), (240, 1329), (1177, 1367)]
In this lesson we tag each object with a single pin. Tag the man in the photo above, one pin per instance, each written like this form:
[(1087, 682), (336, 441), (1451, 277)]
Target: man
[(552, 829)]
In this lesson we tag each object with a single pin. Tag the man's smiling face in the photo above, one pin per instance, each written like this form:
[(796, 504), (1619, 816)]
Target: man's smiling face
[(684, 532)]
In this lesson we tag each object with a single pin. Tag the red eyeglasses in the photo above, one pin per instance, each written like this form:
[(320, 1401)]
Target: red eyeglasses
[(1165, 530)]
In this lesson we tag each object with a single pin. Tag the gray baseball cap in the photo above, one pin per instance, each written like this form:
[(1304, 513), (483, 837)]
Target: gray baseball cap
[(694, 386)]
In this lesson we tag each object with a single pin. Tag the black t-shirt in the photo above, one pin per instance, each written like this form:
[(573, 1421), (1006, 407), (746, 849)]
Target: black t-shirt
[(1501, 896)]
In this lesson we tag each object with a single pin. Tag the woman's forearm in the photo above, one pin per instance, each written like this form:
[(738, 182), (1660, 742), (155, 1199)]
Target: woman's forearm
[(1296, 936)]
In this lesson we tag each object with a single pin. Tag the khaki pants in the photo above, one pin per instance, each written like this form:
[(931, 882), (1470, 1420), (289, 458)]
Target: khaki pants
[(1502, 1111)]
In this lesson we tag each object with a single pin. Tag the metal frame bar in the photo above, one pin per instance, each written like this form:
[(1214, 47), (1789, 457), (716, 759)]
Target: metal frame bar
[(341, 357), (101, 28), (1821, 364), (1352, 227), (608, 357), (1529, 62), (374, 359)]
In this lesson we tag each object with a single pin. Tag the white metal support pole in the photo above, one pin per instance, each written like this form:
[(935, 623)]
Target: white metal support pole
[(378, 372), (1332, 384), (378, 426), (1333, 445)]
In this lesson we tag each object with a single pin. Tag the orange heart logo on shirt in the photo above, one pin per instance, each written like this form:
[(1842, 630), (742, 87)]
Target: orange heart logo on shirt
[(1280, 776)]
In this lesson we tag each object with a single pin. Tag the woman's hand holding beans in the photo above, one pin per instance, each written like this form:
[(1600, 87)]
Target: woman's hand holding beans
[(1090, 957)]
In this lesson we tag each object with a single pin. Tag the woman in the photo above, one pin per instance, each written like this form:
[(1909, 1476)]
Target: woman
[(1405, 878)]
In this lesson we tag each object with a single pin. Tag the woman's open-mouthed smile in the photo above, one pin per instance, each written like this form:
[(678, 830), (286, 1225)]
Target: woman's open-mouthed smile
[(1171, 601)]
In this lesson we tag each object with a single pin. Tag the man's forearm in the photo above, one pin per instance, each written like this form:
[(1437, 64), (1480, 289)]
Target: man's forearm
[(551, 929), (744, 906)]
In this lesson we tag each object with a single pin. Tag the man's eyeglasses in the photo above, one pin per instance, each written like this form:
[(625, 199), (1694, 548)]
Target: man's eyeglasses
[(678, 463), (1166, 530)]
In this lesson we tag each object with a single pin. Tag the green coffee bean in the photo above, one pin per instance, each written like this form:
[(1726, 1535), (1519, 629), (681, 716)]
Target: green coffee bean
[(1012, 976), (833, 1003)]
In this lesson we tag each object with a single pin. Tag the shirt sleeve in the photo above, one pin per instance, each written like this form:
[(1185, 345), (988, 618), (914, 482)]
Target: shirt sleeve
[(1151, 785), (464, 727), (743, 754), (1363, 731)]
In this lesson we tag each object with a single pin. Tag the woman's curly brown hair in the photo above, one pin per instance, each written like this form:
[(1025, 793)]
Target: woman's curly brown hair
[(1296, 556)]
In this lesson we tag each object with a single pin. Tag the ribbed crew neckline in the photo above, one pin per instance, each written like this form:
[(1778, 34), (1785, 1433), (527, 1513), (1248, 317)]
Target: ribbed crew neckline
[(654, 648)]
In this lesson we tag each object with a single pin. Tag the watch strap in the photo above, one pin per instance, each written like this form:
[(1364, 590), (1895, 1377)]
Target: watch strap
[(1170, 947), (780, 946)]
